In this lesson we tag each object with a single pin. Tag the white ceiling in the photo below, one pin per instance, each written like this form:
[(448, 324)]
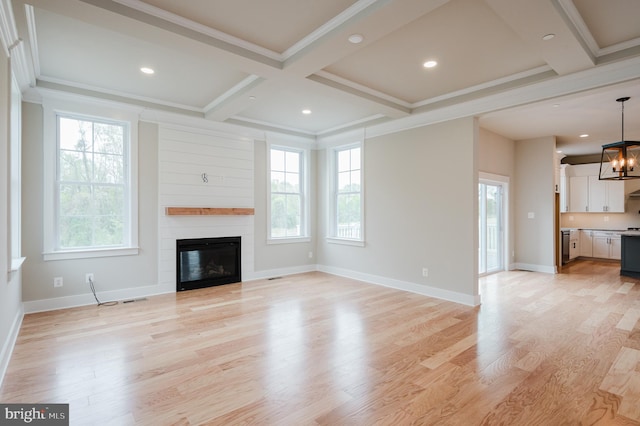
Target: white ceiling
[(259, 63)]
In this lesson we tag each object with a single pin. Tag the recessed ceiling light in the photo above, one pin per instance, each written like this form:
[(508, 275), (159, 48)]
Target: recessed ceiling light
[(356, 38), (430, 64), (306, 111), (584, 135), (147, 70), (252, 98), (548, 37)]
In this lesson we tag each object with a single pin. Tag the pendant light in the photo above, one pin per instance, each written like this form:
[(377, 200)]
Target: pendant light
[(619, 160)]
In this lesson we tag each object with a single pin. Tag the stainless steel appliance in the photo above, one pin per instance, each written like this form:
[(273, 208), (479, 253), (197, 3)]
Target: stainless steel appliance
[(566, 235)]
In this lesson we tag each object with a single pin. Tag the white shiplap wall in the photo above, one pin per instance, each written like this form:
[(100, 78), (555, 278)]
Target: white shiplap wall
[(184, 155)]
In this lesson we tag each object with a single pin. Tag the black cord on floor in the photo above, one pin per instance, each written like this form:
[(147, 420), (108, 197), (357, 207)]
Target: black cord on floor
[(93, 290)]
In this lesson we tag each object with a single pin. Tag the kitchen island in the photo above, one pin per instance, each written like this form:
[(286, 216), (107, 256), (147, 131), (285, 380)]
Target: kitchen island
[(630, 261)]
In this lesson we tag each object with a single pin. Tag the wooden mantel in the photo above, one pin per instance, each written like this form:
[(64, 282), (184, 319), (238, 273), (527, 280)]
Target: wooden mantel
[(208, 211)]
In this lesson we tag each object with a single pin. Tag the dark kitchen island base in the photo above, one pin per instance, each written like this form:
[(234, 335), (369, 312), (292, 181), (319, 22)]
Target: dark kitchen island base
[(630, 261)]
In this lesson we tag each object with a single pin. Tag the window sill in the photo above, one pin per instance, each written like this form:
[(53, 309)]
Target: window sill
[(16, 263), (87, 254), (345, 241), (288, 240)]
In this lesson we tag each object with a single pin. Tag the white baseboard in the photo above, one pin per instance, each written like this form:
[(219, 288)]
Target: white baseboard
[(42, 305), (424, 290), (279, 272), (9, 344), (137, 292), (535, 268)]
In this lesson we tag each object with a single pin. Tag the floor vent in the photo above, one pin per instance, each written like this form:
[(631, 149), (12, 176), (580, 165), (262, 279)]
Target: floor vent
[(142, 299)]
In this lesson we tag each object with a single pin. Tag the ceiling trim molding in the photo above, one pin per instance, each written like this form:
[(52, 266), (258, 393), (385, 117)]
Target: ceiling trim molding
[(30, 16), (270, 126), (200, 28), (601, 76), (541, 72), (393, 109), (8, 32), (134, 9), (352, 124), (325, 75), (14, 47), (47, 83), (242, 86), (329, 26), (571, 13)]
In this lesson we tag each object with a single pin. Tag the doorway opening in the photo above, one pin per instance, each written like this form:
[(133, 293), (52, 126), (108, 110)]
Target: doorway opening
[(492, 219)]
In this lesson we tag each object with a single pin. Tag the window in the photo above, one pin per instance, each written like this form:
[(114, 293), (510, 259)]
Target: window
[(287, 188), (92, 196), (347, 194)]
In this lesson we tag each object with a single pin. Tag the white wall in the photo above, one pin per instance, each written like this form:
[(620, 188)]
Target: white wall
[(534, 194), (421, 202), (277, 259), (10, 282), (497, 155), (184, 155), (115, 277)]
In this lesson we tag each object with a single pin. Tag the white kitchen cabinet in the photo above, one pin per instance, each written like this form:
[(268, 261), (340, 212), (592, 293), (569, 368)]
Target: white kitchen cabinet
[(586, 243), (606, 245), (564, 189), (605, 196), (574, 244), (579, 194), (616, 248)]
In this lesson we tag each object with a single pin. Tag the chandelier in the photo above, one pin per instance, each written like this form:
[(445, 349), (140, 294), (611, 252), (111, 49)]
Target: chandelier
[(619, 160)]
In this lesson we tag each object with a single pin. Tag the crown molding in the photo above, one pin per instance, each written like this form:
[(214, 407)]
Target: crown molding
[(596, 77)]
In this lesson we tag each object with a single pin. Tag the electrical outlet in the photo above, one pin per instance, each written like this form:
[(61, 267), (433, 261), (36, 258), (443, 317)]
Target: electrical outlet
[(88, 278), (425, 272), (57, 282), (310, 255)]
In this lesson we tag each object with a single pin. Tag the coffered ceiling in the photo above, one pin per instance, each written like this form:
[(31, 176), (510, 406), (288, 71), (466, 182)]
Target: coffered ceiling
[(260, 63)]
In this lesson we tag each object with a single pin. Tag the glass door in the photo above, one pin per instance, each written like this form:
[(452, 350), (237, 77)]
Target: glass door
[(490, 227)]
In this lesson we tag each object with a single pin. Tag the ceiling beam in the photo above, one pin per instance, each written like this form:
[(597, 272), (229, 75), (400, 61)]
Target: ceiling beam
[(566, 52)]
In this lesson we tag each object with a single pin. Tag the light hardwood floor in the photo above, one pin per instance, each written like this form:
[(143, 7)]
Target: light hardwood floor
[(318, 349)]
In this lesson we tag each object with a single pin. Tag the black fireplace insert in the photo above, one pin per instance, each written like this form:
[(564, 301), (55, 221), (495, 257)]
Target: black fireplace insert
[(206, 262)]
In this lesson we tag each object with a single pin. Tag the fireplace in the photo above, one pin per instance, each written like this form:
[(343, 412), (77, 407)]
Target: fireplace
[(206, 262)]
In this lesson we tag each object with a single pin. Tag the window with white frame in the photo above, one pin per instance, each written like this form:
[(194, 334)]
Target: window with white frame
[(347, 199), (288, 208), (93, 197)]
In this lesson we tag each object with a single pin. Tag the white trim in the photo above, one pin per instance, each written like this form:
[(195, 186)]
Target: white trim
[(199, 28), (88, 254), (334, 23), (85, 299), (411, 287), (305, 195), (279, 272), (592, 78), (332, 157), (345, 241), (100, 110), (503, 181), (16, 263), (534, 268), (192, 124), (10, 342), (289, 240)]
